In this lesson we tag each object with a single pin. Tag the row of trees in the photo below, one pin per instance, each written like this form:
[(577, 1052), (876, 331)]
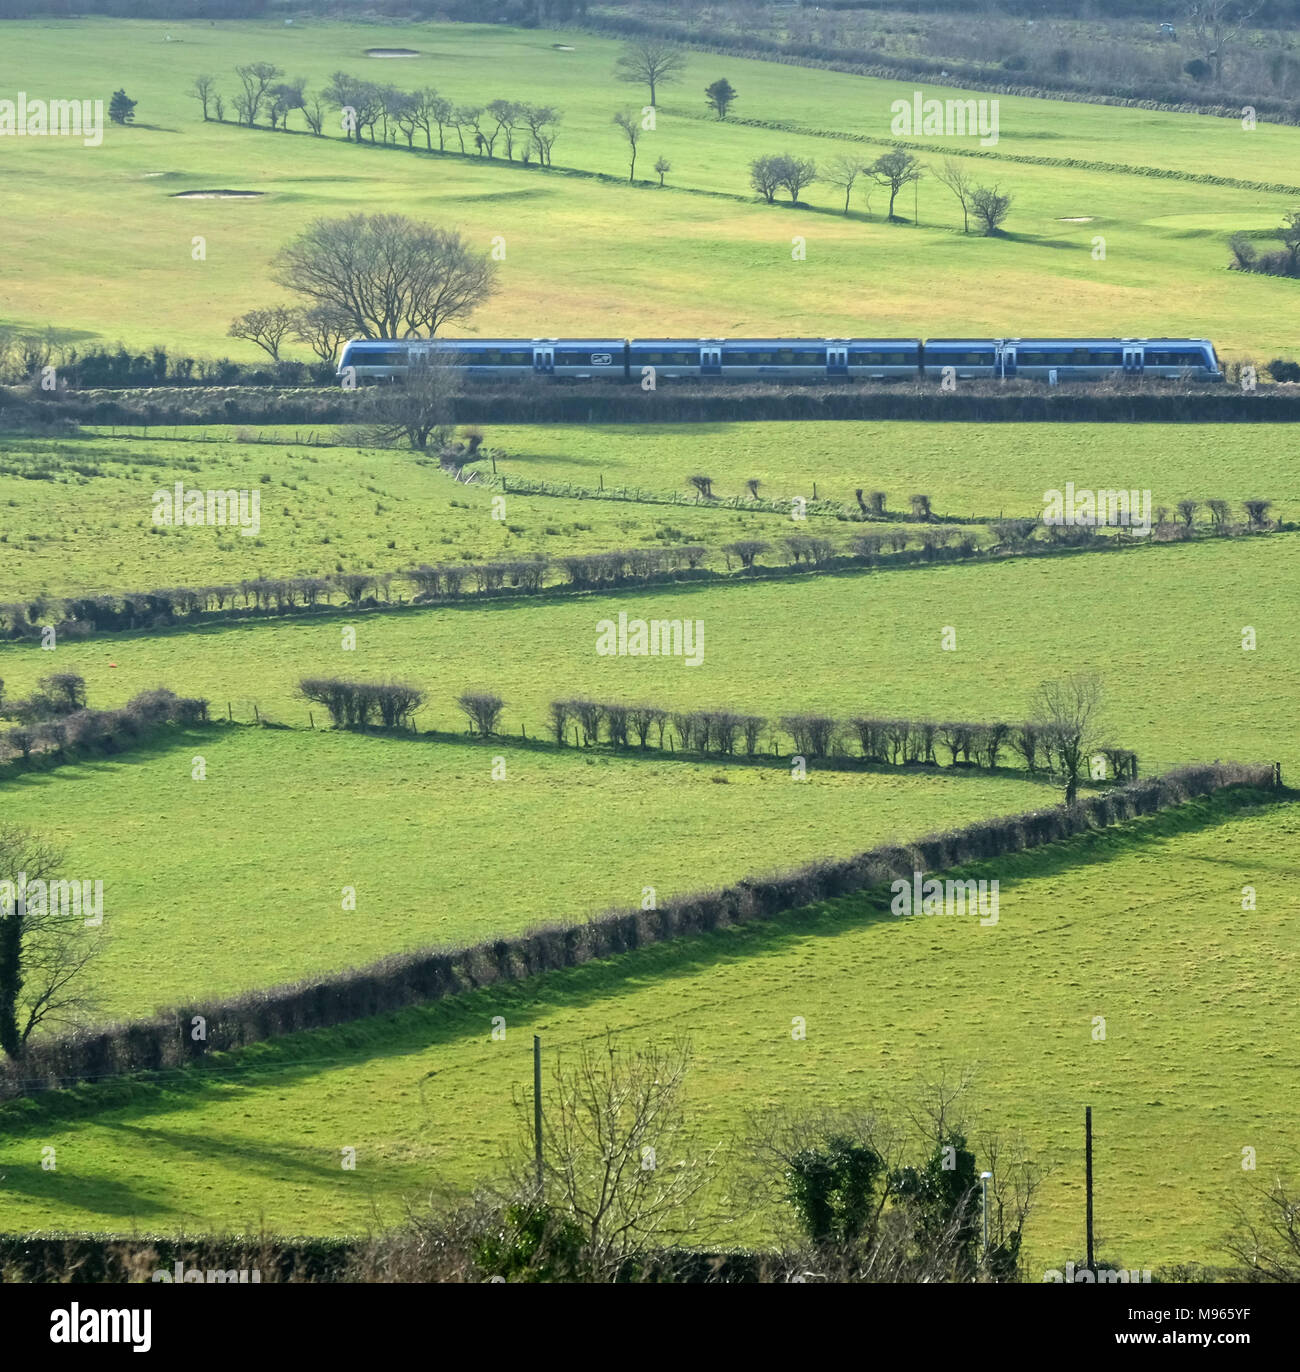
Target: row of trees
[(895, 170), (361, 704), (50, 730), (1058, 740)]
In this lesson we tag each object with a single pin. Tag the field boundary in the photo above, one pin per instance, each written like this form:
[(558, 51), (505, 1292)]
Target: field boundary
[(186, 1035)]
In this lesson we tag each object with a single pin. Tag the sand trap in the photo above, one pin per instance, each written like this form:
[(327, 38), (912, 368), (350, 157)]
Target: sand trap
[(562, 47), (217, 195), (1077, 219), (391, 52)]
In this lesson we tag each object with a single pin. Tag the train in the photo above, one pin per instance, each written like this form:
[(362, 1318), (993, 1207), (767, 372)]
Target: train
[(786, 359)]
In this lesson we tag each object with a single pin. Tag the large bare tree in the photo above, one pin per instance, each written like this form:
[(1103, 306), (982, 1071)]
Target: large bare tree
[(650, 62), (44, 945), (387, 275), (421, 411)]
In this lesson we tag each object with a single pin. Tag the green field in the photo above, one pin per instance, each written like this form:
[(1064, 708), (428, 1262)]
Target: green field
[(591, 255), (1142, 926), (1161, 625), (246, 888)]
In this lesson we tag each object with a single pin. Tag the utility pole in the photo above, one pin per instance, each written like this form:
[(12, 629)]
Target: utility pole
[(537, 1119), (1087, 1131)]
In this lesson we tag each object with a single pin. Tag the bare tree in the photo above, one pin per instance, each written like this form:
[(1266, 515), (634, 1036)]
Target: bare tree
[(421, 411), (953, 175), (895, 170), (44, 946), (482, 709), (843, 171), (663, 166), (1069, 709), (991, 207), (765, 176), (363, 101), (202, 90), (1265, 1239), (322, 328), (267, 328), (388, 275), (631, 127), (796, 173), (256, 78), (618, 1155), (544, 125), (1216, 25), (650, 62), (313, 111)]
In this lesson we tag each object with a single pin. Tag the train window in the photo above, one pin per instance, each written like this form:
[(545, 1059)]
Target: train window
[(1104, 359), (766, 359)]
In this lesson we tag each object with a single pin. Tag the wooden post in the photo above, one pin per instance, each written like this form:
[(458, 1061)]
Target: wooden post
[(537, 1110), (256, 716), (1087, 1130)]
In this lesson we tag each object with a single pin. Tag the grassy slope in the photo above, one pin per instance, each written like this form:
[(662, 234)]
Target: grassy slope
[(1161, 625), (589, 256), (245, 885), (981, 469), (322, 510), (1144, 928)]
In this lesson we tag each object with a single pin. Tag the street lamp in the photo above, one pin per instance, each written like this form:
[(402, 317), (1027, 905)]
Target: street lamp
[(984, 1189)]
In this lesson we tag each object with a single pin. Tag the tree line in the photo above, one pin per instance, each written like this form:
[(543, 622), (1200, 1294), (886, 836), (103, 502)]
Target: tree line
[(166, 1040)]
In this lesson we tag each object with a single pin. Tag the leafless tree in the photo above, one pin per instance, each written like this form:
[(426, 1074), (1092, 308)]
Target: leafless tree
[(44, 943), (543, 123), (202, 90), (650, 62), (420, 411), (990, 207), (482, 709), (1216, 25), (388, 275), (322, 329), (256, 79), (765, 176), (1265, 1239), (843, 172), (1070, 709), (796, 173), (957, 179), (618, 1154), (631, 127), (663, 166), (267, 328)]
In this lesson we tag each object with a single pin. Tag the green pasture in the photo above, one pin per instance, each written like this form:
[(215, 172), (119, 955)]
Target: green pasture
[(237, 881), (1142, 926), (1162, 625), (117, 257)]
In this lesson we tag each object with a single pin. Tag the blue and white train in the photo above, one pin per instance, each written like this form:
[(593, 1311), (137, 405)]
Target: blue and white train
[(788, 359)]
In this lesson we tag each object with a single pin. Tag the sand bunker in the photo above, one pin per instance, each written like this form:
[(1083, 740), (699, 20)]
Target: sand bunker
[(391, 52), (1077, 219), (562, 47), (217, 195)]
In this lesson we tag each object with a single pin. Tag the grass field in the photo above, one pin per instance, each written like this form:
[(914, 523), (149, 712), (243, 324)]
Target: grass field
[(1162, 626), (77, 516), (248, 888), (1142, 926), (586, 255)]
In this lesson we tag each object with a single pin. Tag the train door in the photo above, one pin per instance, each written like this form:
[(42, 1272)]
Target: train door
[(544, 360), (1007, 362), (1133, 360), (710, 361), (837, 361)]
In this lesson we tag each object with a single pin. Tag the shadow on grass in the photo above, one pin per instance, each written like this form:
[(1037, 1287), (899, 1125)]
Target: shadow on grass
[(299, 1057)]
